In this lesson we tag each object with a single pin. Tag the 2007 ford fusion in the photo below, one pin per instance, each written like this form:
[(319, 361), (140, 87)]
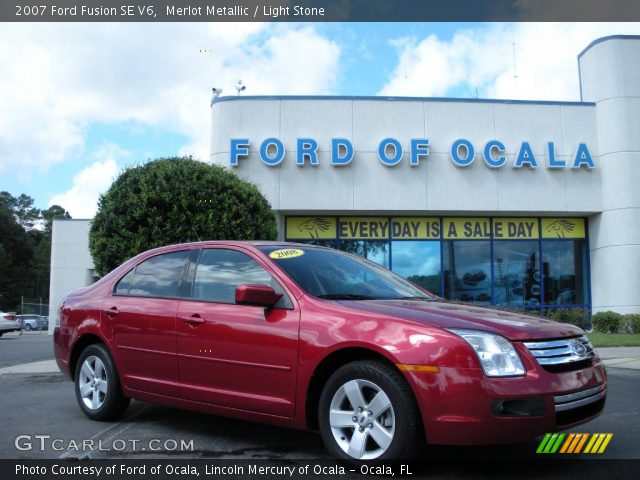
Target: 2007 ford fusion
[(313, 338)]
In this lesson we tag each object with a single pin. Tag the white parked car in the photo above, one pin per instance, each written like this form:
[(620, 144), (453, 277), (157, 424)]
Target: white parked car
[(8, 323)]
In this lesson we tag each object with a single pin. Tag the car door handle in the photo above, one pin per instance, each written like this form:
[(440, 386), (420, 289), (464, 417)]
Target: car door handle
[(193, 320), (111, 312)]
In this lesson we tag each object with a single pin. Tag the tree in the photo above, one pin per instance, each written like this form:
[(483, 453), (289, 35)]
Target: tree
[(25, 248), (54, 211), (175, 200), (15, 259)]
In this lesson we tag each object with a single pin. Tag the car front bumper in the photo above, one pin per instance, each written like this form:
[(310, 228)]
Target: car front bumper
[(461, 406)]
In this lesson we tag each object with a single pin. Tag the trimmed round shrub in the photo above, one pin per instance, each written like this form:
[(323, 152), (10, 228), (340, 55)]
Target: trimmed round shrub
[(607, 322), (575, 316), (175, 200), (632, 322)]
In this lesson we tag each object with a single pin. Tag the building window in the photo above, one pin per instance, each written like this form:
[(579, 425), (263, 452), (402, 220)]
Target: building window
[(467, 270), (516, 269), (520, 262), (419, 262), (564, 265), (374, 250)]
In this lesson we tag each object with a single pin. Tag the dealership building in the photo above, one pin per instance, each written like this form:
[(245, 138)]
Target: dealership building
[(528, 204)]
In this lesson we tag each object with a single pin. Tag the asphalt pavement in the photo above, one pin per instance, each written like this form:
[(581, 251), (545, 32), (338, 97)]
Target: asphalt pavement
[(40, 419), (29, 347)]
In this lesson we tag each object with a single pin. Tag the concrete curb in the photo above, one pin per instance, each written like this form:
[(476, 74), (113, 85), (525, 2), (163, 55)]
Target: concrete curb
[(45, 366)]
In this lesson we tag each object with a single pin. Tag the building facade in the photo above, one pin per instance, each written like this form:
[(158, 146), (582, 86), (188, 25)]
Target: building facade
[(527, 204)]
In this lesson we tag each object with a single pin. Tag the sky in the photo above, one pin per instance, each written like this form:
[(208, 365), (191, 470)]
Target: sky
[(81, 102)]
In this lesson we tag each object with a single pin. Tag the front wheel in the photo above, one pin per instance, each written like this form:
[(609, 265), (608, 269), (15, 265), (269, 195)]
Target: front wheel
[(97, 385), (368, 412), (27, 327)]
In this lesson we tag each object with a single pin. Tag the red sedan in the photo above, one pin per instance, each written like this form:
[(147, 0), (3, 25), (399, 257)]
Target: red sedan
[(314, 338)]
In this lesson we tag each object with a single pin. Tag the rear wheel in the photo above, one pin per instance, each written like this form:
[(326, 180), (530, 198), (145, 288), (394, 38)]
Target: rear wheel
[(97, 385), (368, 412)]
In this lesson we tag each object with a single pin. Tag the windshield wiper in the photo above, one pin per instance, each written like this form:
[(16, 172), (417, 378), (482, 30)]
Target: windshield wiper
[(426, 299), (345, 296)]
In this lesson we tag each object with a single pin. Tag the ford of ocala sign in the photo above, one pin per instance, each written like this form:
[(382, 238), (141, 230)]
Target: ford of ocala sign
[(390, 153)]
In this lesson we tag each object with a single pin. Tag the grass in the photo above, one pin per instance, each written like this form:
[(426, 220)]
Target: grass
[(614, 339)]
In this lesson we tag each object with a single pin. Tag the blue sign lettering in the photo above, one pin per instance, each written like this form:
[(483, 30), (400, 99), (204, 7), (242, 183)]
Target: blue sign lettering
[(390, 153), (336, 157), (277, 157), (489, 148), (307, 150), (419, 148), (465, 146), (525, 157), (397, 152)]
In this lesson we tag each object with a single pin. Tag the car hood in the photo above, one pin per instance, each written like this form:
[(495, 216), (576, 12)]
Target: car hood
[(513, 326)]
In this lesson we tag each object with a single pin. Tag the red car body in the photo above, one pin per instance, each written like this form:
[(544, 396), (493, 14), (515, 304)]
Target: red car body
[(269, 364)]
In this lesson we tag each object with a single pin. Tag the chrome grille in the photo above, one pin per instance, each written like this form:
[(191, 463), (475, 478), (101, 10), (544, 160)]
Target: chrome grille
[(581, 398), (560, 352)]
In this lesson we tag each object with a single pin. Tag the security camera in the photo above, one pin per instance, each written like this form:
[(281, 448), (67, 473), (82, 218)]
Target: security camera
[(216, 94), (240, 87)]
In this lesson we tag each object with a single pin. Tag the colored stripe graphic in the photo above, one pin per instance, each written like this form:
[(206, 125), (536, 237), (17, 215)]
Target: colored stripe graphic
[(573, 443)]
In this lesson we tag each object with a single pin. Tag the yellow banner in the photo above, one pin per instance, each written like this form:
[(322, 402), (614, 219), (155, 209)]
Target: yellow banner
[(466, 228), (364, 228), (563, 228), (418, 228), (518, 228), (300, 228)]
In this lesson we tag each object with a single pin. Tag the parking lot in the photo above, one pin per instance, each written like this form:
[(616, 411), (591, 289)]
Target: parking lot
[(40, 408)]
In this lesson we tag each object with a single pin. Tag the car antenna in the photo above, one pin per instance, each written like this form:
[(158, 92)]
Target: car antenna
[(194, 231)]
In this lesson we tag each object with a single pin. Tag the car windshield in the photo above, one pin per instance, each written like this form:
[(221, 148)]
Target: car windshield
[(334, 275)]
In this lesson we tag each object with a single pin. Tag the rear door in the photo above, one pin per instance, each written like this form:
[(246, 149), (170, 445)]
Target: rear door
[(238, 356), (142, 313)]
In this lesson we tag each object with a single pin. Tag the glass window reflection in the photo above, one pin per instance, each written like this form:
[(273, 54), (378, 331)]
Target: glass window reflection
[(418, 262), (564, 264), (516, 270), (467, 271)]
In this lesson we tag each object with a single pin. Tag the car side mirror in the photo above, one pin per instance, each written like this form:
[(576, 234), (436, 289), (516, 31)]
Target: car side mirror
[(260, 295)]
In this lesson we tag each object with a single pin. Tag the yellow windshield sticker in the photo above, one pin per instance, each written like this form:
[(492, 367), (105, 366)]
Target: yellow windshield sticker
[(286, 253)]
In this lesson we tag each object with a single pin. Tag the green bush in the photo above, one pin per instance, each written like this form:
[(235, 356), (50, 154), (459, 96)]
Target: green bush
[(175, 200), (607, 322), (632, 322), (575, 316)]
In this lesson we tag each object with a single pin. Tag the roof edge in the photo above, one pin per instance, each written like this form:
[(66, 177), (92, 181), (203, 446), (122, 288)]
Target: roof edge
[(605, 39), (400, 99)]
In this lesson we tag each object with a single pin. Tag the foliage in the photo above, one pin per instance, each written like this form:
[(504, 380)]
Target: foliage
[(174, 200), (632, 322), (607, 322), (24, 249), (575, 316)]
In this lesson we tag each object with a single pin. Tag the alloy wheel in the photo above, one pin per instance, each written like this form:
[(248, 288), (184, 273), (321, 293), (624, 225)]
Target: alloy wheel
[(362, 419), (93, 382)]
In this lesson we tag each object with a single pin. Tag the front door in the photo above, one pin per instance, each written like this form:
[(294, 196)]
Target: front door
[(237, 356)]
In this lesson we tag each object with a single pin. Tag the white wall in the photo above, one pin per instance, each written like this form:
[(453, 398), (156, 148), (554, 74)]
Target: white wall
[(71, 263), (610, 76)]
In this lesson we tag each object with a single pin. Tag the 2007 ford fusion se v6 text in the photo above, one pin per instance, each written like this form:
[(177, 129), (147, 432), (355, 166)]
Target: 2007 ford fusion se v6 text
[(313, 338)]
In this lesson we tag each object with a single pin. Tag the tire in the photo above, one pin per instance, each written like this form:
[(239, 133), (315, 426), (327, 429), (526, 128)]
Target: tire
[(97, 385), (1, 333), (386, 427), (27, 327)]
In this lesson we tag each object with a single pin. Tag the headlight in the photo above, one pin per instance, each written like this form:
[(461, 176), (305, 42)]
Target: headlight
[(497, 356)]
